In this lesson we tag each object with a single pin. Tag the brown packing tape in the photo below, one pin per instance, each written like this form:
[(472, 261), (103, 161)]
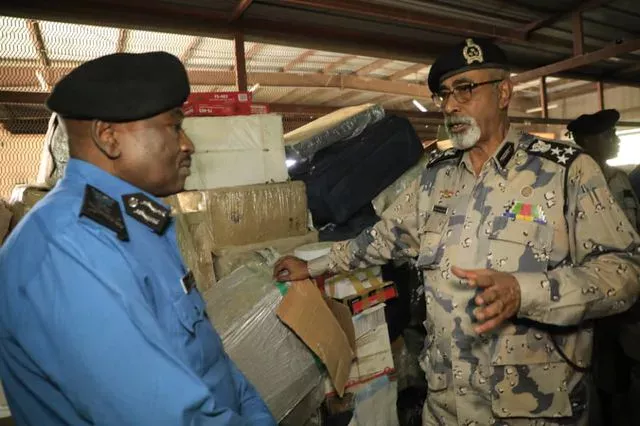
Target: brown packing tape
[(250, 214), (304, 310)]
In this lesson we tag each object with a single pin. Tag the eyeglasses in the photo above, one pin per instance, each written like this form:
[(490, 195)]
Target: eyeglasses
[(462, 93)]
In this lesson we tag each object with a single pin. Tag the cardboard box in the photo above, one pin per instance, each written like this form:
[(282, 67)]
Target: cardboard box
[(197, 257), (324, 326), (207, 104), (248, 214), (269, 328), (374, 357), (372, 297), (358, 282), (235, 151), (228, 259), (5, 220), (260, 109)]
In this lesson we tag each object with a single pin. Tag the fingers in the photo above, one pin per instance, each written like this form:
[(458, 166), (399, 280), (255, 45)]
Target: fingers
[(490, 311), (489, 325), (487, 297), (281, 268)]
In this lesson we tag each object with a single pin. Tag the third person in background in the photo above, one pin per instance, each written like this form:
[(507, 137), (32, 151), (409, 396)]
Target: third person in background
[(596, 134)]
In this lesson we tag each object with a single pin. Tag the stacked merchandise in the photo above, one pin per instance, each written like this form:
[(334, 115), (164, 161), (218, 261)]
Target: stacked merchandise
[(343, 176), (238, 215), (371, 381), (372, 375), (263, 330)]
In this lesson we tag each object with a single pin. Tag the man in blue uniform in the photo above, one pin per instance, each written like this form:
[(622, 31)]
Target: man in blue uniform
[(100, 321)]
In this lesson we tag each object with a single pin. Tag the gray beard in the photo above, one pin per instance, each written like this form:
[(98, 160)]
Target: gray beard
[(466, 140)]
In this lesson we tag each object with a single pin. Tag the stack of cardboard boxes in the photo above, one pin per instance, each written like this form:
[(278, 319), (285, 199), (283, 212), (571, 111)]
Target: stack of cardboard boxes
[(372, 373), (238, 200)]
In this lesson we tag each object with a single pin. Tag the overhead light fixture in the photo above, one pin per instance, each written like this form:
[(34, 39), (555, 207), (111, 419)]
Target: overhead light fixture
[(420, 107), (538, 109), (254, 87)]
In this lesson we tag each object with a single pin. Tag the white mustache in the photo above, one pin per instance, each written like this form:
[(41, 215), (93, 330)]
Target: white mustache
[(451, 121)]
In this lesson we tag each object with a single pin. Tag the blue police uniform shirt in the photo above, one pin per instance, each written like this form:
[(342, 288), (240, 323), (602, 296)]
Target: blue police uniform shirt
[(99, 331)]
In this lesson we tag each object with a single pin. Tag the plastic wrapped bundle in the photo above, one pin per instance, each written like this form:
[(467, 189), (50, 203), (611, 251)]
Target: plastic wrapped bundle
[(302, 143), (55, 154), (242, 308)]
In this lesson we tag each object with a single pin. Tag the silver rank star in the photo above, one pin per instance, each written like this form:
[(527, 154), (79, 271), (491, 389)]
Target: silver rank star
[(563, 159), (569, 151), (556, 151)]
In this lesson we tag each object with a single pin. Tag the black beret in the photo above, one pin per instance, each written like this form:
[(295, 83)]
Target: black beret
[(593, 124), (472, 54), (121, 87)]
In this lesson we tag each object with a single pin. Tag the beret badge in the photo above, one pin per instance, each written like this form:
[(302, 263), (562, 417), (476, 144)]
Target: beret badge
[(472, 52)]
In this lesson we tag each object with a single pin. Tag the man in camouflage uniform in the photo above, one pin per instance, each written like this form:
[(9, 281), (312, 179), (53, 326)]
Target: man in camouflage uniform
[(520, 243), (596, 134)]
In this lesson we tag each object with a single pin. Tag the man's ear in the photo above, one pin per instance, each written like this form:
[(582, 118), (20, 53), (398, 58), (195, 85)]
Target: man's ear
[(505, 92), (104, 138)]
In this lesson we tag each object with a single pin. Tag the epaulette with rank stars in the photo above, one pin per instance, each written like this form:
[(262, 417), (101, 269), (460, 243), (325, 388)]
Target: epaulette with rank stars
[(559, 152), (439, 156)]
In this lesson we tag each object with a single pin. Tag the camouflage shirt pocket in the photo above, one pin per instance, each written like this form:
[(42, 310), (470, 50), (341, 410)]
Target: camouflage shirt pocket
[(430, 240), (520, 245), (528, 383)]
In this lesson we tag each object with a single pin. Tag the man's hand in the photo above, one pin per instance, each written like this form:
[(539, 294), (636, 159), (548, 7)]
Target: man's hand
[(290, 268), (499, 300)]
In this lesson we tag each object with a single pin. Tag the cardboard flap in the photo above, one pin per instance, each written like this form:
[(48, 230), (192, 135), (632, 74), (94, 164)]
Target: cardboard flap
[(343, 315), (304, 310)]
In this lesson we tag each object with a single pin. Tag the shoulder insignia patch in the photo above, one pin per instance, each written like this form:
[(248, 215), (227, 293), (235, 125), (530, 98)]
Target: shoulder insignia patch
[(104, 210), (440, 156), (147, 211), (559, 152)]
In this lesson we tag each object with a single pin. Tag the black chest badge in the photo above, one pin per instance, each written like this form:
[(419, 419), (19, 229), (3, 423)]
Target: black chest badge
[(147, 211)]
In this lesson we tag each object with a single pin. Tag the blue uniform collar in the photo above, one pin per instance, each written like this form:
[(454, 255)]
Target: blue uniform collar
[(87, 173)]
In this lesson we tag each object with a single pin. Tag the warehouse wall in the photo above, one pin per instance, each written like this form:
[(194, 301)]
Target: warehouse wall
[(624, 99), (19, 158)]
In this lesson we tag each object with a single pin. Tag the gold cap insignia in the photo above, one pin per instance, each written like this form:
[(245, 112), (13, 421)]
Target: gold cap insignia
[(472, 52)]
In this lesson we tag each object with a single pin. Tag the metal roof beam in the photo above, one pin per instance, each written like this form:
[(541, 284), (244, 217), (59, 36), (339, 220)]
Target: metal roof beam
[(399, 75), (11, 76), (577, 8), (337, 64), (190, 50), (123, 38), (38, 43), (426, 117), (240, 8), (579, 61), (298, 60), (373, 66), (409, 17)]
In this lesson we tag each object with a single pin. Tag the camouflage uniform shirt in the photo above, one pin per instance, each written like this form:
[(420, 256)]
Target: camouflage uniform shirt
[(622, 191), (542, 211)]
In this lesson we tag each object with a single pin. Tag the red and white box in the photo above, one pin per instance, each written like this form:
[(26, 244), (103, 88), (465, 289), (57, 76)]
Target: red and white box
[(216, 104)]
